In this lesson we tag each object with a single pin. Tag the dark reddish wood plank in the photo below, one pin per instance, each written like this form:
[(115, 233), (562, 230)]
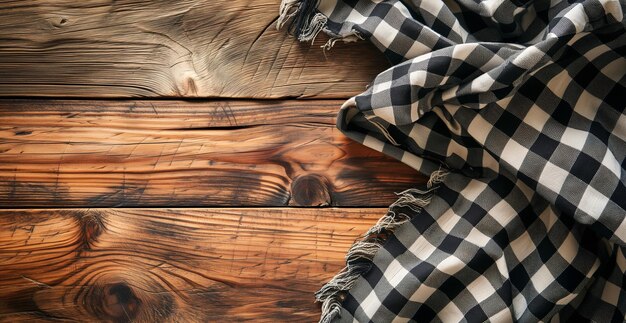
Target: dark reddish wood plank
[(172, 265), (173, 153)]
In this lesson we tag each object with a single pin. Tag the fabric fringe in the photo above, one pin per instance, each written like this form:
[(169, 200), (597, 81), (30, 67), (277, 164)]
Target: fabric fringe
[(305, 23), (361, 254), (288, 9)]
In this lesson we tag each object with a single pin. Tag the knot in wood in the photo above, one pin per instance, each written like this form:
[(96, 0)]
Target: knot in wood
[(310, 190), (140, 300), (59, 22), (118, 302), (92, 226)]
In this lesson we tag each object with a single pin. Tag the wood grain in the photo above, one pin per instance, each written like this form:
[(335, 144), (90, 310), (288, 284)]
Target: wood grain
[(171, 265), (174, 153), (187, 48)]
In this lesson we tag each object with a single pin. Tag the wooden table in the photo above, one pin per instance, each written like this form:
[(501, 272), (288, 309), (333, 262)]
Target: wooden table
[(177, 161)]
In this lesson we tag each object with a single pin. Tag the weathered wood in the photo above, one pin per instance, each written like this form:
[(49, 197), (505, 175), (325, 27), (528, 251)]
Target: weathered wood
[(173, 153), (171, 265), (190, 48)]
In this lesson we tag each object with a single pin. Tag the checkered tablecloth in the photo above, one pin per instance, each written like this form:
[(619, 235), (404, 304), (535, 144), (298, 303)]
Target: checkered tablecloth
[(516, 111)]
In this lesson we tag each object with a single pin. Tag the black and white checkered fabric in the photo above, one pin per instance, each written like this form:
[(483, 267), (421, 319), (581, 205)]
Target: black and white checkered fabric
[(523, 102)]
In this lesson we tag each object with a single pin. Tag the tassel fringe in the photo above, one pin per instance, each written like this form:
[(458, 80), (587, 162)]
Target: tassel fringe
[(288, 9), (306, 24), (360, 256)]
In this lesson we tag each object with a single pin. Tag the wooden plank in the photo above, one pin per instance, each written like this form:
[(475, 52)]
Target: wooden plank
[(174, 153), (172, 265), (187, 48)]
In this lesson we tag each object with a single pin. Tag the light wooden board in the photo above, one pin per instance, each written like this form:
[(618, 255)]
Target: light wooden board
[(187, 48), (174, 153), (172, 265)]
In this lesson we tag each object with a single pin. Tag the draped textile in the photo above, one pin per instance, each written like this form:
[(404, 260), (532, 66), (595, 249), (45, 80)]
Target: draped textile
[(515, 109)]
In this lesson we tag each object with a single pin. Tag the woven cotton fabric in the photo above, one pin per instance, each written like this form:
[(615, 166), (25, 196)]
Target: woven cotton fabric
[(516, 111)]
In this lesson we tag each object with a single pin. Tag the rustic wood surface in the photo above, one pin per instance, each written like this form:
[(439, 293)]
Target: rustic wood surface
[(174, 153), (187, 48), (86, 261), (171, 265)]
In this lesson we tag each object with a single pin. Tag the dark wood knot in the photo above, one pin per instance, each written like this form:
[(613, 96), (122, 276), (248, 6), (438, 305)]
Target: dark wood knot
[(119, 303), (310, 190), (59, 22), (92, 226)]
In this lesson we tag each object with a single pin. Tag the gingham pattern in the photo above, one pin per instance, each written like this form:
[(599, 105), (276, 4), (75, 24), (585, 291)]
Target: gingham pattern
[(524, 103)]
